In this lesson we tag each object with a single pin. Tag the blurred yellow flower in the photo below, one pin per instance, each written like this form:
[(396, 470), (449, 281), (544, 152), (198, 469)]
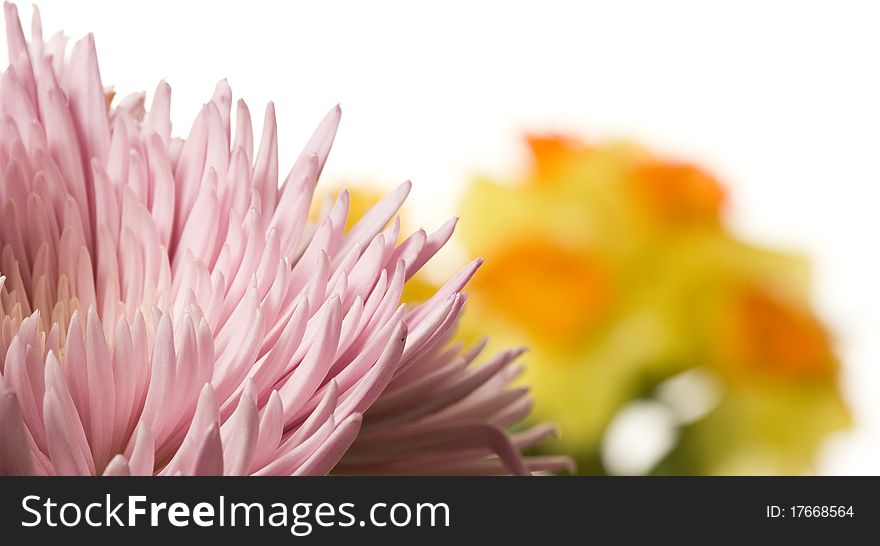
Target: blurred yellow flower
[(615, 267)]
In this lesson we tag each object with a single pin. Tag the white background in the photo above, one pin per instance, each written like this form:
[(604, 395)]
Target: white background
[(780, 99)]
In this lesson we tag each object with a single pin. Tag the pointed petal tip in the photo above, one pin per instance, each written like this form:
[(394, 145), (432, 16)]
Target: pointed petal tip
[(353, 419)]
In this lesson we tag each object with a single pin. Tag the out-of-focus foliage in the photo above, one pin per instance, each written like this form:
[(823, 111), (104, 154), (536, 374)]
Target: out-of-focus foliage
[(616, 268)]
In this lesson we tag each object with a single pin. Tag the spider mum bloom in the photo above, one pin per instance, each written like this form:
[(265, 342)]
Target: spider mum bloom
[(167, 308)]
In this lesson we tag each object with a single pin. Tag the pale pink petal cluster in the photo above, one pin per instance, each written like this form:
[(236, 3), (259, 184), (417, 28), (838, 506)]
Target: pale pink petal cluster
[(168, 307)]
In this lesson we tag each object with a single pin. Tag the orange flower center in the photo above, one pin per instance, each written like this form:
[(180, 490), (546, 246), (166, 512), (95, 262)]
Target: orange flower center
[(766, 335), (678, 194), (554, 293), (552, 155)]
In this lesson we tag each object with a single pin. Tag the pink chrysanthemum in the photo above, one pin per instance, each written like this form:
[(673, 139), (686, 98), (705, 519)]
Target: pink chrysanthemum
[(168, 309)]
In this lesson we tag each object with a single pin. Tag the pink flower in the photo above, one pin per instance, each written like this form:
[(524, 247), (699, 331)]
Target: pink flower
[(168, 309)]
